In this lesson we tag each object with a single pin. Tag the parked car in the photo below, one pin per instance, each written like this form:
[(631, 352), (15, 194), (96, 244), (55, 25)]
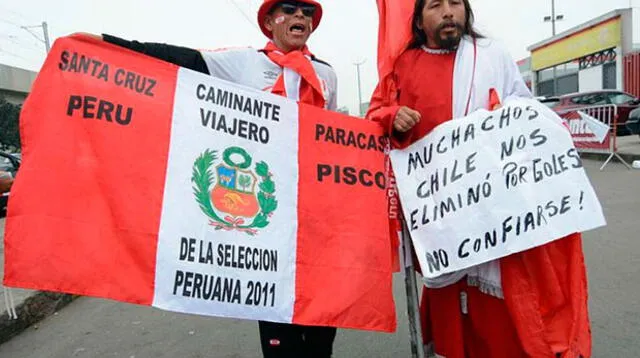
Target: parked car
[(7, 160), (633, 123), (8, 163), (550, 102), (624, 102)]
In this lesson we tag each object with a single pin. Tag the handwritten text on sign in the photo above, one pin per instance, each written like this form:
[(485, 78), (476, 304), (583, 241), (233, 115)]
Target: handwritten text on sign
[(492, 184)]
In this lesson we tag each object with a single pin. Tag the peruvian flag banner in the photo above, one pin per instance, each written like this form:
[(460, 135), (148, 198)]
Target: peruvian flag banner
[(147, 183)]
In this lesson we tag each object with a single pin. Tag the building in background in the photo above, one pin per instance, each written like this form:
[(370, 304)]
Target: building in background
[(524, 66), (364, 107), (591, 56), (631, 70), (343, 110), (15, 83)]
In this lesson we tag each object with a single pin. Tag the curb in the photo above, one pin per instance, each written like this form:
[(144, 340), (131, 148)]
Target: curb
[(33, 309)]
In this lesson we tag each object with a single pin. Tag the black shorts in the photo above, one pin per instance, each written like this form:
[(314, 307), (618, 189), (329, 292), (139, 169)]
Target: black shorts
[(283, 340)]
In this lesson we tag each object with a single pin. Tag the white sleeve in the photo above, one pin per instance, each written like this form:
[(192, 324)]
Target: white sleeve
[(333, 100), (225, 64), (513, 86)]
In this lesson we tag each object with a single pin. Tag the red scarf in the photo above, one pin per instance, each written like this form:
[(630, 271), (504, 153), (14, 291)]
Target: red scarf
[(310, 88)]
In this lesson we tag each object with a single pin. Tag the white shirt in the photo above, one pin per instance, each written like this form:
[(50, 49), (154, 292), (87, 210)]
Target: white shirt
[(252, 68)]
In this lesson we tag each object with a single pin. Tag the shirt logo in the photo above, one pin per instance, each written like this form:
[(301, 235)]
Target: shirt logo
[(270, 75)]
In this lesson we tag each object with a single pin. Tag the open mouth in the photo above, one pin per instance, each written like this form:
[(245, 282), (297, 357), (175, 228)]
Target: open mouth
[(297, 29), (451, 26)]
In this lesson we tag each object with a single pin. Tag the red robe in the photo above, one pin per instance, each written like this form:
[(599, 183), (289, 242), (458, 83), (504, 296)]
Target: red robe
[(544, 310)]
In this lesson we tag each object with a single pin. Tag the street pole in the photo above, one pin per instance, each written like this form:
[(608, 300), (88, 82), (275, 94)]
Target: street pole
[(553, 18), (553, 32), (358, 64), (45, 30), (413, 303)]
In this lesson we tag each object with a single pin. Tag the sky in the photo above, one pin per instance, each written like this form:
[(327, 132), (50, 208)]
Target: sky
[(347, 34)]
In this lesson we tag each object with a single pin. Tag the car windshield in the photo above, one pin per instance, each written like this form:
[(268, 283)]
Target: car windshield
[(592, 99), (620, 98)]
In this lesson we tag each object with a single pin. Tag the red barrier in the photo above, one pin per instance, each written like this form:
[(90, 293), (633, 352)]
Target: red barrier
[(584, 137)]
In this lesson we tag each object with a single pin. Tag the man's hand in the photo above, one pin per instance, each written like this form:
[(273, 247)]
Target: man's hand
[(405, 119)]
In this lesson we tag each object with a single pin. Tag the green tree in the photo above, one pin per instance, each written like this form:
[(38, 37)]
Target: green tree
[(9, 126), (244, 181)]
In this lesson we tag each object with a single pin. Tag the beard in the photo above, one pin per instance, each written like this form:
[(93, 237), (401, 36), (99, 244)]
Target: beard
[(448, 42)]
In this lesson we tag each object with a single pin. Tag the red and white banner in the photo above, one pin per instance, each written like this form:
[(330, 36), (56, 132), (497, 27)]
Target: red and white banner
[(147, 183), (587, 131)]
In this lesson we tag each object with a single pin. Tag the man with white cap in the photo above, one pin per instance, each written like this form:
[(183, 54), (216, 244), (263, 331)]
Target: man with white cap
[(286, 67)]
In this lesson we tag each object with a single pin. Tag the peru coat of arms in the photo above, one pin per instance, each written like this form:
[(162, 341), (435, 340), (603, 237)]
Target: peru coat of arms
[(226, 192)]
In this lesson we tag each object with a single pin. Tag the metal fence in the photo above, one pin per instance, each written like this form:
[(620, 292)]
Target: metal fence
[(583, 134)]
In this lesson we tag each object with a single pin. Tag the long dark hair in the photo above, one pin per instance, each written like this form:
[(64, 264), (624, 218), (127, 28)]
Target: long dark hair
[(419, 38)]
